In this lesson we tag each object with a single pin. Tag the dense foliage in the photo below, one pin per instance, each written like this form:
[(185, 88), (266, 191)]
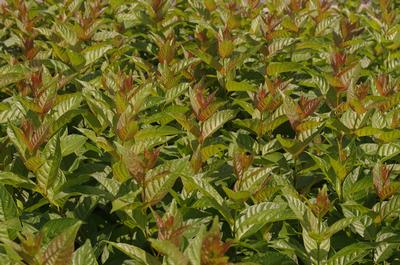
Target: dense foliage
[(199, 132)]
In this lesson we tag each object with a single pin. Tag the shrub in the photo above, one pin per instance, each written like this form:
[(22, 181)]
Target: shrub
[(195, 132)]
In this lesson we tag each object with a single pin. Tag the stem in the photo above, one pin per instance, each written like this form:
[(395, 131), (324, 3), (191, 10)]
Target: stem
[(142, 183), (261, 125), (337, 99), (339, 144), (295, 172), (318, 243)]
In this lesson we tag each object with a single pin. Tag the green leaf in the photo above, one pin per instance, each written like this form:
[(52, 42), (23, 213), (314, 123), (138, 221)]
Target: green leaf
[(211, 196), (236, 195), (72, 143), (74, 5), (205, 57), (206, 188), (387, 208), (385, 249), (111, 185), (67, 33), (275, 68), (84, 255), (292, 249), (169, 250), (389, 150), (339, 168), (75, 58), (253, 178), (60, 249), (52, 228), (11, 112), (158, 186), (9, 222), (296, 147), (120, 172), (211, 150), (17, 138), (318, 250), (215, 122), (351, 119), (279, 44), (336, 227), (139, 255), (255, 217), (176, 91), (325, 24), (193, 251), (156, 132), (48, 174), (350, 254), (64, 119), (127, 202), (271, 257), (303, 213), (367, 131), (239, 86), (10, 78), (95, 52), (17, 181), (389, 136)]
